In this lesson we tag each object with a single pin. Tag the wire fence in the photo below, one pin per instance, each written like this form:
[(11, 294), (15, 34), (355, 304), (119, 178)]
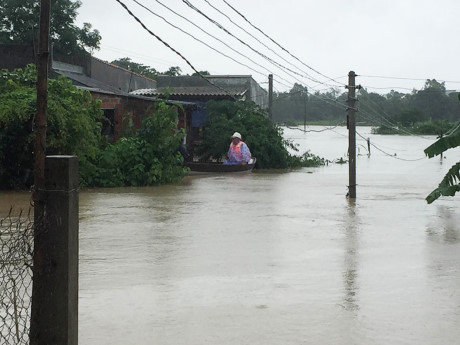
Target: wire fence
[(16, 251)]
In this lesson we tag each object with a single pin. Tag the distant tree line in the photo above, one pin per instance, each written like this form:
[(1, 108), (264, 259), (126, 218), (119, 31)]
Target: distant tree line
[(394, 109), (148, 71)]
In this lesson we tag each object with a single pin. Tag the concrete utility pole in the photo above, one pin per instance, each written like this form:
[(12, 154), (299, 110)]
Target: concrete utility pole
[(305, 113), (270, 97), (351, 125)]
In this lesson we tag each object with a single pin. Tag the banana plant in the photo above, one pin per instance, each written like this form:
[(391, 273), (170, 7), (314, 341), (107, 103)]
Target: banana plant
[(450, 184)]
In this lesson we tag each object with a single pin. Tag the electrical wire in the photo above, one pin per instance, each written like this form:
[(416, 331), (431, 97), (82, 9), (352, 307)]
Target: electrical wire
[(389, 154), (388, 122), (280, 46), (313, 130), (411, 79), (254, 37), (202, 42), (275, 63), (168, 46), (219, 40)]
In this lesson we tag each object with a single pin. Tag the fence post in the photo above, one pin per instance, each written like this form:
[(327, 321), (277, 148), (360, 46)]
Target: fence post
[(54, 318)]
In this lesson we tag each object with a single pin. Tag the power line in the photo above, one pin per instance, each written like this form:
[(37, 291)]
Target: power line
[(390, 123), (202, 42), (405, 78), (313, 130), (168, 46), (219, 40), (389, 154), (284, 49), (258, 40), (220, 26)]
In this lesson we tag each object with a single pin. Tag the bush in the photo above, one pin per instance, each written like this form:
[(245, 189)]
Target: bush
[(265, 139), (72, 116), (149, 157)]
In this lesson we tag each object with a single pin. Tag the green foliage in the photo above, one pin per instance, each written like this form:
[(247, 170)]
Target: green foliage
[(450, 183), (200, 73), (149, 157), (448, 186), (19, 24), (73, 123), (139, 68), (265, 140), (173, 71), (435, 127), (431, 127), (396, 109), (308, 159), (443, 144)]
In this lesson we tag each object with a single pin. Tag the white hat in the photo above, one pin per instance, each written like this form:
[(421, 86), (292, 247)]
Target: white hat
[(236, 135)]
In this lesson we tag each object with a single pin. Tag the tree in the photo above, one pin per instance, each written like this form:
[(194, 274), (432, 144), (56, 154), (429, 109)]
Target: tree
[(19, 24), (432, 100), (173, 71), (200, 73), (73, 124), (135, 67)]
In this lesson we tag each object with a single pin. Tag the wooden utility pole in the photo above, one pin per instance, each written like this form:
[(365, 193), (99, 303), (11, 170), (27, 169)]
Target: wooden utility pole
[(270, 96), (42, 103), (36, 328), (351, 125)]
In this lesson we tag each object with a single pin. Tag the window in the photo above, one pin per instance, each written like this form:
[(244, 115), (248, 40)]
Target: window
[(108, 124)]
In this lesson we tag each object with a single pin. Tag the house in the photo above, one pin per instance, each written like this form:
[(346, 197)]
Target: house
[(105, 81), (199, 90), (110, 84)]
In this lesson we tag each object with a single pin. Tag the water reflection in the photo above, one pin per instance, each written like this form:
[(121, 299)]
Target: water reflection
[(446, 227), (350, 274)]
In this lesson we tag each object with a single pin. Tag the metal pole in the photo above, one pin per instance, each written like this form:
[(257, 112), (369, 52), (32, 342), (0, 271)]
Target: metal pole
[(351, 136), (270, 97)]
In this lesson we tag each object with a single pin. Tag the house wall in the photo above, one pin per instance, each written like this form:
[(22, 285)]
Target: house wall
[(137, 108), (255, 92), (122, 79)]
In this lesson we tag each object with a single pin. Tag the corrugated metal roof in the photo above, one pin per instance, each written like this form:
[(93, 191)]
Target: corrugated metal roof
[(238, 91), (144, 92), (84, 80)]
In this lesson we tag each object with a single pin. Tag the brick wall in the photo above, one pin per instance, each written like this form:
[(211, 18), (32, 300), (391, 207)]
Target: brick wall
[(137, 108)]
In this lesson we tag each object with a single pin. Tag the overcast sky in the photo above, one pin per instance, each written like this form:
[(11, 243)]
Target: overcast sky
[(412, 40)]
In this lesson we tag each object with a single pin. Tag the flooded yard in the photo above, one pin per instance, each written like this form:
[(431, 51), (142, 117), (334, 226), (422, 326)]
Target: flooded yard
[(277, 257)]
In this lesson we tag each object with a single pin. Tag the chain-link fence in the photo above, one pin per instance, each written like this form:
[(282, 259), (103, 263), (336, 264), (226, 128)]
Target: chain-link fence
[(16, 247)]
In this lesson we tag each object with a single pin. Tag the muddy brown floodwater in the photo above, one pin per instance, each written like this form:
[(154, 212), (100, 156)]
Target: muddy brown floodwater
[(277, 257)]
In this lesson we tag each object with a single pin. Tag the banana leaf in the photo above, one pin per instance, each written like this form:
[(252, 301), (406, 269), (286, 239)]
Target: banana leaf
[(448, 186), (442, 145)]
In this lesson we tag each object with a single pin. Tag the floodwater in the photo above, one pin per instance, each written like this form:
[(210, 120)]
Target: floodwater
[(277, 257)]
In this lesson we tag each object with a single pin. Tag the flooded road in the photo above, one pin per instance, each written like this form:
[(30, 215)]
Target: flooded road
[(277, 257)]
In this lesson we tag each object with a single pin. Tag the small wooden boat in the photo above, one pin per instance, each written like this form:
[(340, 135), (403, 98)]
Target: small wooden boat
[(219, 167)]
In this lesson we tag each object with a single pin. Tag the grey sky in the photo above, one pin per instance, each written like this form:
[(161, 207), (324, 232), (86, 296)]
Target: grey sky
[(413, 39)]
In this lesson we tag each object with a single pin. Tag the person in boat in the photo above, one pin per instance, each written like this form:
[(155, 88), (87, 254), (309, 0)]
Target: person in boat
[(238, 152)]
